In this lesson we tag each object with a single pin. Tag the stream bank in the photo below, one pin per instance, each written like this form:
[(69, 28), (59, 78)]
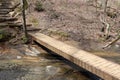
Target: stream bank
[(17, 64)]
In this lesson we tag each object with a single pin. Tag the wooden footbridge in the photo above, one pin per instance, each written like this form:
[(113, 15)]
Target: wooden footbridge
[(103, 68)]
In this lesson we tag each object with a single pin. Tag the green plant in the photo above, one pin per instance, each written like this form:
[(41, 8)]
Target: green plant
[(1, 36), (34, 21), (24, 39), (39, 6), (4, 35)]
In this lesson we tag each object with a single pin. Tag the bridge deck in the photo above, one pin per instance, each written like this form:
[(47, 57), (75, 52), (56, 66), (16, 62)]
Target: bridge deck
[(99, 66)]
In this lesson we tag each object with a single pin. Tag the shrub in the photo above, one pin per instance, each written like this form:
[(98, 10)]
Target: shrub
[(39, 6), (4, 35)]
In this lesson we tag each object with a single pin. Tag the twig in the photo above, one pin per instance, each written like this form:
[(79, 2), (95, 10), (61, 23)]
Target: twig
[(113, 42), (107, 26)]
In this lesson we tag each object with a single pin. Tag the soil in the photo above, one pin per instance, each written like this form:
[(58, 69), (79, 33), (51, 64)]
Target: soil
[(77, 23), (79, 19)]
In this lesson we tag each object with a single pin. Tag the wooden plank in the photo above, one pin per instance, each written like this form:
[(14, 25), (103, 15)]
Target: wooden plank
[(101, 67), (4, 13), (5, 10), (8, 19), (13, 25), (10, 7)]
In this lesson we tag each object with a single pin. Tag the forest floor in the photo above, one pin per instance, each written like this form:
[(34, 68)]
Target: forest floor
[(76, 21)]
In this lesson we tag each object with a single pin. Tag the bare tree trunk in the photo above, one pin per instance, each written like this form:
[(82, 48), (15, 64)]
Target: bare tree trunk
[(24, 19), (105, 7), (96, 5)]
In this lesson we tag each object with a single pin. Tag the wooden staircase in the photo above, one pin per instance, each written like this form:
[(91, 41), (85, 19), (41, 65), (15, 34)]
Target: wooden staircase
[(6, 20)]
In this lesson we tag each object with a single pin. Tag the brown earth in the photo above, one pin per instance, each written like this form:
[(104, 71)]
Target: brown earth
[(78, 19)]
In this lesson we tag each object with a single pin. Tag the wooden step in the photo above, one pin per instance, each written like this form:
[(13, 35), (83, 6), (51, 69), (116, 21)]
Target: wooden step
[(5, 10), (13, 25), (8, 19), (4, 13), (10, 7), (5, 16)]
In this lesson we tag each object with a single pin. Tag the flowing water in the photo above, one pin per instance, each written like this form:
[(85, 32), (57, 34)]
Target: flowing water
[(16, 64), (24, 63)]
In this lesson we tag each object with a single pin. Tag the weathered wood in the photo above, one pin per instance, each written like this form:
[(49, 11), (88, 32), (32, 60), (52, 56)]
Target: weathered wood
[(3, 25), (5, 10), (101, 67), (8, 19), (5, 2), (10, 7), (13, 25), (4, 13)]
